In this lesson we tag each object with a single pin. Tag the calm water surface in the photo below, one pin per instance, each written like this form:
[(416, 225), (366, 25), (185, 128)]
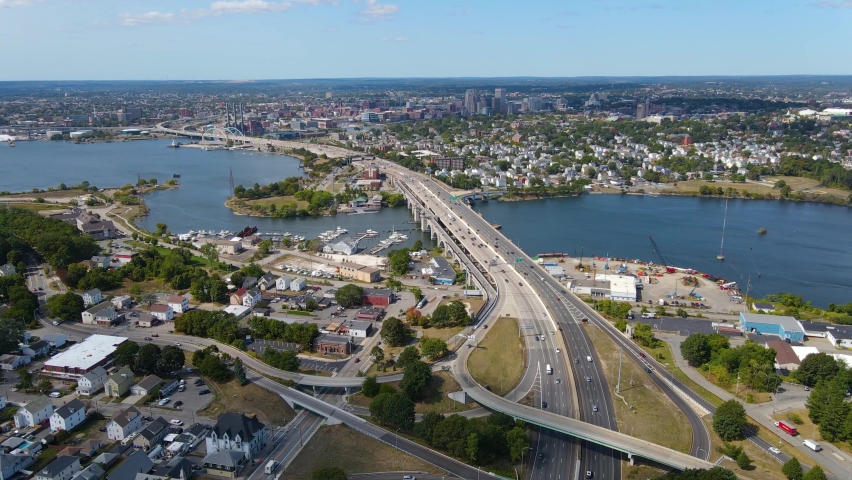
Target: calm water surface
[(806, 249)]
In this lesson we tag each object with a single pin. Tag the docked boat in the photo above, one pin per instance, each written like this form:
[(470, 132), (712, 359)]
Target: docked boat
[(11, 143), (174, 144)]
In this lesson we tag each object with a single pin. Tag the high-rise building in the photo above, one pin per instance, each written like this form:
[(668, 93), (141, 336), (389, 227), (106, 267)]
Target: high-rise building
[(643, 109), (535, 103), (497, 104), (470, 101), (499, 93)]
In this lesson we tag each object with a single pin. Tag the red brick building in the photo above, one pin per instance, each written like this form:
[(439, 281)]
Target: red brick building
[(379, 297)]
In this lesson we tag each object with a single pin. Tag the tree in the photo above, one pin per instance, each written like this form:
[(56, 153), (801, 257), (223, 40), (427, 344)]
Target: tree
[(815, 473), (370, 387), (212, 366), (240, 371), (407, 356), (816, 367), (418, 294), (394, 409), (11, 332), (729, 420), (210, 252), (44, 385), (394, 332), (472, 447), (418, 245), (743, 461), (416, 379), (378, 354), (147, 358), (171, 359), (328, 473), (696, 349), (518, 442), (265, 247), (349, 295), (25, 379), (433, 348), (161, 229), (125, 354), (792, 469)]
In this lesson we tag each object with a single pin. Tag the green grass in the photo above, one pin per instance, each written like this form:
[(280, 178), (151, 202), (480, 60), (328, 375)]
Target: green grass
[(45, 457), (499, 358), (303, 313), (37, 206), (436, 399), (663, 354)]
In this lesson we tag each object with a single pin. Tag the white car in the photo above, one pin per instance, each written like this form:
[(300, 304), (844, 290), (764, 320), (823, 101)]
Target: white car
[(558, 351), (164, 401), (774, 450), (176, 422)]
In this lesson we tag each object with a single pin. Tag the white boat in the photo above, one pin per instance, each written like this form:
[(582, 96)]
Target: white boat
[(372, 232), (341, 230)]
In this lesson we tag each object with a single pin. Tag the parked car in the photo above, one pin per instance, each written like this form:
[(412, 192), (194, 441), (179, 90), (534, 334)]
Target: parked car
[(175, 421), (203, 392), (178, 403), (164, 401)]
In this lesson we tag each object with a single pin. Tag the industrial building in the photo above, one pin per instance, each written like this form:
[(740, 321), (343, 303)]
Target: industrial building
[(788, 328), (95, 351)]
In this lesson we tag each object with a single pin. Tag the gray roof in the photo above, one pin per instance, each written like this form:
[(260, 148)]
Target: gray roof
[(815, 326), (358, 324), (93, 292), (69, 408), (788, 323), (840, 332), (763, 306), (137, 462), (126, 416), (154, 428), (95, 373), (11, 460), (228, 458), (381, 292), (332, 339), (13, 442), (174, 467), (101, 306), (39, 345), (237, 424), (37, 404), (92, 472), (106, 459), (149, 382), (57, 466)]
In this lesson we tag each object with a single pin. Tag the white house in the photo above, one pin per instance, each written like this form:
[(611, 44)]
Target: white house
[(266, 282), (122, 301), (178, 303), (237, 432), (92, 297), (63, 468), (55, 340), (124, 423), (68, 416), (298, 284), (33, 413), (251, 298), (162, 312), (282, 283), (13, 362), (103, 313), (91, 382)]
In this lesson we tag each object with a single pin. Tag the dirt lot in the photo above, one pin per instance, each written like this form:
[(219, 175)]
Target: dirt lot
[(230, 397), (653, 416), (372, 455), (764, 186), (500, 356)]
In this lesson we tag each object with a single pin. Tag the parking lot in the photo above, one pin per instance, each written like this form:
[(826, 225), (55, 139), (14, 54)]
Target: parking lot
[(181, 404)]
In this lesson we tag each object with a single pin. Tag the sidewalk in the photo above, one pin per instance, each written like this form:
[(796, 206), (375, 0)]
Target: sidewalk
[(836, 465)]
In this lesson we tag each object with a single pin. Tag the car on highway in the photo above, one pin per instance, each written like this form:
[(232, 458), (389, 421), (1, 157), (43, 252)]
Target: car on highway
[(588, 379), (409, 477), (505, 279), (148, 338), (178, 344), (558, 351), (594, 408), (521, 284), (774, 450), (558, 381), (55, 323), (558, 300), (589, 474), (543, 404), (576, 360)]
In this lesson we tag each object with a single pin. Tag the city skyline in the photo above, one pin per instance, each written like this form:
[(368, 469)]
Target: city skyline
[(304, 39)]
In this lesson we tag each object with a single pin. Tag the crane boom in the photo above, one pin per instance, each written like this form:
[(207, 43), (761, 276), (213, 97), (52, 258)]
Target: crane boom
[(663, 261)]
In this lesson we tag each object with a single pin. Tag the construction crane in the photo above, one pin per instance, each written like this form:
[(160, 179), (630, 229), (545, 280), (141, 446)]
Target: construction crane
[(665, 263)]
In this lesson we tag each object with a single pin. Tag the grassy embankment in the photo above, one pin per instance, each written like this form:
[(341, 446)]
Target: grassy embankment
[(436, 399), (271, 409), (499, 361)]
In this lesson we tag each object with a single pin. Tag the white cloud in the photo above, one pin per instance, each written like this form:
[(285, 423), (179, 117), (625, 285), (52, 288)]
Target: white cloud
[(397, 39), (248, 6), (840, 4), (15, 3), (376, 11), (135, 19)]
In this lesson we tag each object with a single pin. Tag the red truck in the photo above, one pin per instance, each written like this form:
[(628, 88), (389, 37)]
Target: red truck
[(787, 428)]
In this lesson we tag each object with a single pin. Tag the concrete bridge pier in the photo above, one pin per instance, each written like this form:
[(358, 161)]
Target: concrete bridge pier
[(631, 459), (424, 223), (416, 212)]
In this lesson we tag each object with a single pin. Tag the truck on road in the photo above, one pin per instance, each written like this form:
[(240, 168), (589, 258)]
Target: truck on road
[(787, 428), (812, 445), (270, 467), (549, 369)]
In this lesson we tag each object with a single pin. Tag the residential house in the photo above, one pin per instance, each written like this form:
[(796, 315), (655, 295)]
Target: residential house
[(179, 304), (237, 432), (138, 462), (122, 301), (92, 297), (36, 349), (282, 283), (119, 383), (100, 261), (13, 362), (55, 340), (356, 328), (102, 314), (237, 297), (90, 447), (224, 463), (147, 385), (145, 320), (90, 383), (10, 464), (7, 270), (162, 312), (298, 284), (92, 472), (38, 410), (152, 434), (63, 468), (249, 282), (251, 298), (266, 282), (68, 416), (124, 423), (763, 307)]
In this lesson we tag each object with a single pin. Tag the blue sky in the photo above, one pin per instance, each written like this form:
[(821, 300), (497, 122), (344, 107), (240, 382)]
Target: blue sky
[(271, 39)]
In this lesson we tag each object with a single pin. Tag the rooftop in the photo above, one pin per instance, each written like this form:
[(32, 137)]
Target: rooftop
[(86, 354), (788, 323)]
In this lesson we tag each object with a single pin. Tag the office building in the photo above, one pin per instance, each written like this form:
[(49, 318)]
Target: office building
[(470, 100), (499, 93), (643, 109)]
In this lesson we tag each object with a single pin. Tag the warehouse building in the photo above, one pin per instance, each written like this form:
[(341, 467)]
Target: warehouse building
[(82, 358), (788, 328)]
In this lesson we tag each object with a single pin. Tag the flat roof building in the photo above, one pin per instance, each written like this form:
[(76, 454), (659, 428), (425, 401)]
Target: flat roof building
[(788, 328), (95, 351)]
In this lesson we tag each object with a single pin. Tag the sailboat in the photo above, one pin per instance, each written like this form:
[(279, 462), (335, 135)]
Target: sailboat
[(721, 255)]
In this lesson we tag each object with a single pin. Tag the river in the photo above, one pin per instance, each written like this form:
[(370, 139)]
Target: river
[(805, 250)]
